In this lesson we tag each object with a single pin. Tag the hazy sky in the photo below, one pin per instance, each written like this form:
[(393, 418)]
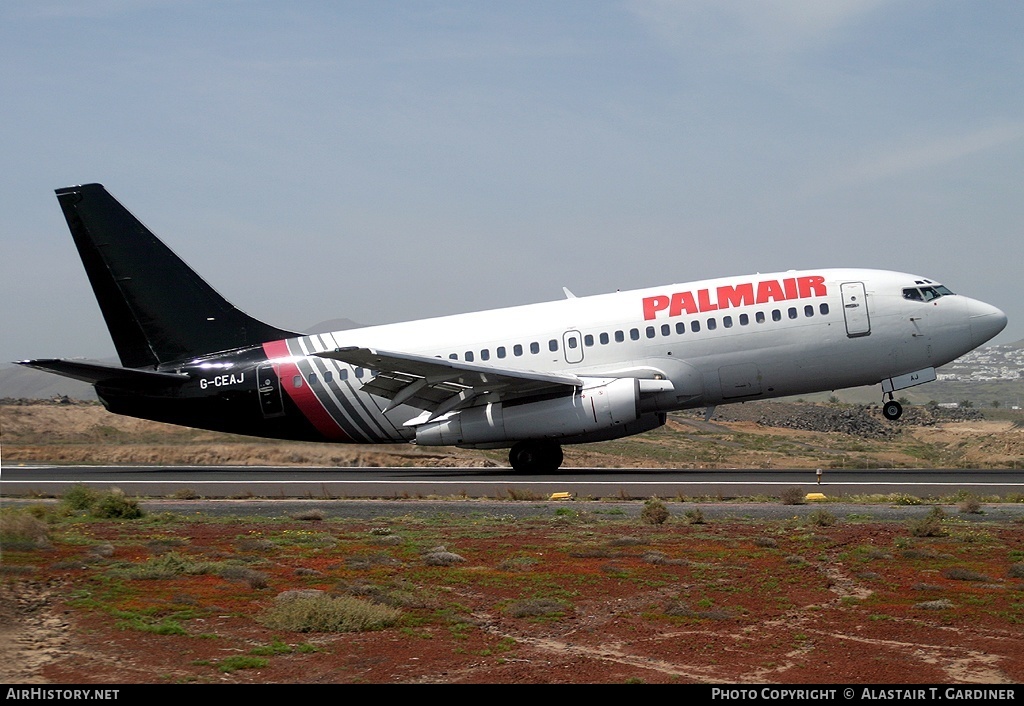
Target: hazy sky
[(382, 161)]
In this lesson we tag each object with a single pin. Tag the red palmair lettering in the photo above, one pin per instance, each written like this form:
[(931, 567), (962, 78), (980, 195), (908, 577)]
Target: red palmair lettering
[(733, 295)]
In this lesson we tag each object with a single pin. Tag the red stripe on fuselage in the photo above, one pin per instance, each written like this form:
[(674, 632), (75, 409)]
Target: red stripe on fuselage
[(311, 407)]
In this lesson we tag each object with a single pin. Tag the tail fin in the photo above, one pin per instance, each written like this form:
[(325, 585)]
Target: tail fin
[(157, 308)]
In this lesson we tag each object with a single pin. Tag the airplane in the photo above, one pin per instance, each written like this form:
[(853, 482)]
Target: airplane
[(529, 378)]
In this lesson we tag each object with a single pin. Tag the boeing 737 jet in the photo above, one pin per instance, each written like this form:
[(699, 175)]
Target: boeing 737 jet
[(529, 378)]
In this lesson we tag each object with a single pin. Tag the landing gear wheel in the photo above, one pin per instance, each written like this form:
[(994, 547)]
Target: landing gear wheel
[(535, 456), (892, 410)]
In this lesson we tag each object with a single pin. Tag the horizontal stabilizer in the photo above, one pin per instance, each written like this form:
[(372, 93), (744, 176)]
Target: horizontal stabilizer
[(92, 371)]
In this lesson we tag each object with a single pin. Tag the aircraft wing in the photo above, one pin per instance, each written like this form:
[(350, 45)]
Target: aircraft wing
[(439, 386)]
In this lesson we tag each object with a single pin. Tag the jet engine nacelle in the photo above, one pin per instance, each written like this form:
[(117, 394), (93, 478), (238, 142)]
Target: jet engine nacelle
[(602, 403)]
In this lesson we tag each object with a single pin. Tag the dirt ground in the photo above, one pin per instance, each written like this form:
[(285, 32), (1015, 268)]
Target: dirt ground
[(585, 598), (581, 599)]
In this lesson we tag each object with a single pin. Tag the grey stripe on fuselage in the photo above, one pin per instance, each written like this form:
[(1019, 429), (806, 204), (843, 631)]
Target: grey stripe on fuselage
[(340, 398)]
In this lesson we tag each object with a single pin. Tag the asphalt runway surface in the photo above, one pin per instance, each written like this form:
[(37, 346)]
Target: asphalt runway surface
[(38, 480)]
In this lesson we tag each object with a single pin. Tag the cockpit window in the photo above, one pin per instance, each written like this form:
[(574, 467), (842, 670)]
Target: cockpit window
[(926, 294)]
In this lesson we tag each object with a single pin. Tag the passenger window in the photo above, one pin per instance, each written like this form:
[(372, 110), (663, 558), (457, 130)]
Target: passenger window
[(727, 321), (485, 354), (344, 374), (359, 373), (297, 381), (823, 309), (695, 326), (776, 315), (712, 324), (619, 337), (666, 330), (501, 351), (312, 378), (744, 319), (535, 348), (329, 376), (604, 339), (681, 327), (651, 333), (517, 349), (792, 312), (634, 334), (759, 317), (453, 356), (588, 340), (469, 356), (552, 345), (573, 343), (808, 310)]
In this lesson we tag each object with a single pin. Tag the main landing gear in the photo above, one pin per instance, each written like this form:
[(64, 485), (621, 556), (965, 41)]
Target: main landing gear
[(892, 409), (535, 456)]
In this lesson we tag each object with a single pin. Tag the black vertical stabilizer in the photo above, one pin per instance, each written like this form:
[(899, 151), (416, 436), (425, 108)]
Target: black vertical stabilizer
[(157, 308)]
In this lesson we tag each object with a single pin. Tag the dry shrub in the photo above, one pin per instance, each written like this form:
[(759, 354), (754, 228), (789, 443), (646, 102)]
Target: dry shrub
[(930, 525), (960, 574), (792, 496), (371, 561), (110, 505), (536, 608), (694, 516), (654, 512), (970, 506), (241, 574), (316, 611), (20, 530), (678, 609), (518, 563), (440, 556), (255, 544), (164, 566)]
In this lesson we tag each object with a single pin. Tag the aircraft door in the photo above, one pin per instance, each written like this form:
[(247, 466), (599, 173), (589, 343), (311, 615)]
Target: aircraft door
[(270, 391), (572, 346), (855, 309)]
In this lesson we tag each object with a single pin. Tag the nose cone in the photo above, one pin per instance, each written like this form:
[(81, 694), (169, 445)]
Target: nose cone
[(986, 321)]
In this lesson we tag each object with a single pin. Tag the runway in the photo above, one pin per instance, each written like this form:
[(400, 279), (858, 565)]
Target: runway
[(25, 480)]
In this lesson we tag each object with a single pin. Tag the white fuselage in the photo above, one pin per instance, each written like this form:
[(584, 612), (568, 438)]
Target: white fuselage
[(716, 341)]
